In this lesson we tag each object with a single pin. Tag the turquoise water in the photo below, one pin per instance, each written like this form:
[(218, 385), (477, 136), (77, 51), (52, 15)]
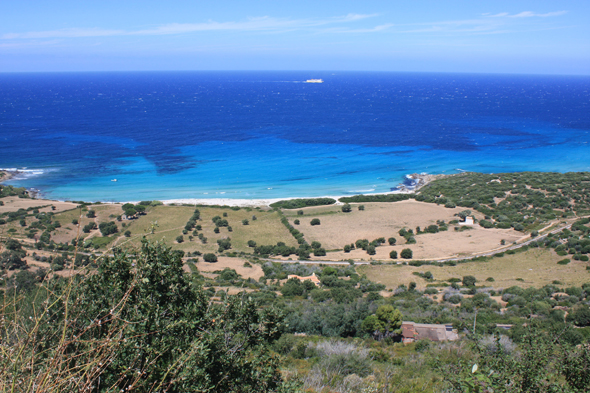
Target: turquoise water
[(267, 135)]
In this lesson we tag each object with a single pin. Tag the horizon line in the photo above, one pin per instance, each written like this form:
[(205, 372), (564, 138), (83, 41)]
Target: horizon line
[(291, 70)]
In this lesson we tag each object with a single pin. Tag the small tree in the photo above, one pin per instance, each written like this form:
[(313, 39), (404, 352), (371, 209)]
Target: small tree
[(361, 207), (179, 239), (315, 221), (245, 222), (299, 212), (209, 257), (391, 241), (91, 214), (386, 322), (346, 208), (319, 252), (469, 281), (251, 243), (406, 253), (347, 248), (393, 254), (296, 222), (127, 233)]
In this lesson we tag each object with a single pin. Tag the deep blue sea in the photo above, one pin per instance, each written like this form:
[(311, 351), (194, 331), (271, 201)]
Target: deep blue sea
[(168, 135)]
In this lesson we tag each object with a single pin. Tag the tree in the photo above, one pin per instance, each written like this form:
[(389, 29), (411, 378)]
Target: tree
[(179, 239), (391, 241), (127, 233), (299, 212), (386, 322), (251, 243), (406, 253), (296, 222), (91, 214), (89, 227), (347, 248), (292, 287), (580, 316), (361, 207), (315, 221), (393, 254), (108, 228), (316, 244), (319, 252), (209, 257), (346, 208), (12, 260), (245, 222), (157, 330), (469, 281)]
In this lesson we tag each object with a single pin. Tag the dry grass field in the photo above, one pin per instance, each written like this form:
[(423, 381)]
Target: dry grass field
[(536, 267), (386, 219), (254, 272), (15, 203)]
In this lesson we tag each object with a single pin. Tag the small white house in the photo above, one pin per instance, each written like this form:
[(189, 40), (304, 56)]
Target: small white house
[(468, 221)]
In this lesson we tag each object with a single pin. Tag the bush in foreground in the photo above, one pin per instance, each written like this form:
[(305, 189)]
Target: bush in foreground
[(139, 325)]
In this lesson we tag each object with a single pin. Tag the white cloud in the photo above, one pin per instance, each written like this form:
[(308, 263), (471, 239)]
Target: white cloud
[(264, 23), (526, 14)]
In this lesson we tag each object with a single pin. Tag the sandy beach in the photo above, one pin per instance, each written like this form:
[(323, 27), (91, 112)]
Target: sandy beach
[(420, 181)]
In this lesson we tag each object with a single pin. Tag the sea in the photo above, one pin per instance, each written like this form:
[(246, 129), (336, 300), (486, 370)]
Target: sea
[(259, 135)]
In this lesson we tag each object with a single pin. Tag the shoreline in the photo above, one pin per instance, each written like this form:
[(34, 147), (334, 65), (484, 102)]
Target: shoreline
[(416, 180), (419, 180)]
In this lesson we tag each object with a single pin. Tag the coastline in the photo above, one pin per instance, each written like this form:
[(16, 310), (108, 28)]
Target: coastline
[(415, 181), (9, 173), (418, 181)]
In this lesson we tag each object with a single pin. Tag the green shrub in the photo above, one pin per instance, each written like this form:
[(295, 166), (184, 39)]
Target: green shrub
[(209, 257)]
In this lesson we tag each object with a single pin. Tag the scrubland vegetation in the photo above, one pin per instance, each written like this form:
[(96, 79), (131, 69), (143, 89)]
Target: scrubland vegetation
[(146, 297)]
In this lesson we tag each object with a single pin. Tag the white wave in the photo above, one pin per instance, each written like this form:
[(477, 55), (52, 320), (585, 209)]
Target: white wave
[(24, 173)]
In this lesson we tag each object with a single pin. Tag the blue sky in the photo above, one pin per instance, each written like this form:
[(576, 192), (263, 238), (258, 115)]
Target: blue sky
[(530, 37)]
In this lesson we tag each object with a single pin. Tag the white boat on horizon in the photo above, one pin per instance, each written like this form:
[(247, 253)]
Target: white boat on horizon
[(114, 180), (314, 81)]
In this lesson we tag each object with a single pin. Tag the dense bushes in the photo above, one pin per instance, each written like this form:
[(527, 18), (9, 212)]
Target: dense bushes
[(299, 203), (377, 198), (138, 322), (108, 228)]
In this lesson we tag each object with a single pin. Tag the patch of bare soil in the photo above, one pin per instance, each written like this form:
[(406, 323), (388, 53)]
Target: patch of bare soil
[(254, 272), (12, 203)]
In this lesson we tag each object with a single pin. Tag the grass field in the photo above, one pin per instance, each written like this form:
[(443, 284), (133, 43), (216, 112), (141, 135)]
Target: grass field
[(536, 267), (266, 229)]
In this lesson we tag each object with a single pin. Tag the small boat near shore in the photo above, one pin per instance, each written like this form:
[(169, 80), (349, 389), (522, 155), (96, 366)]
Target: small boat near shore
[(113, 179)]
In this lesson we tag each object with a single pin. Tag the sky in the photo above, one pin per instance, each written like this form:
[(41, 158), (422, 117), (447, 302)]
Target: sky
[(482, 36)]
